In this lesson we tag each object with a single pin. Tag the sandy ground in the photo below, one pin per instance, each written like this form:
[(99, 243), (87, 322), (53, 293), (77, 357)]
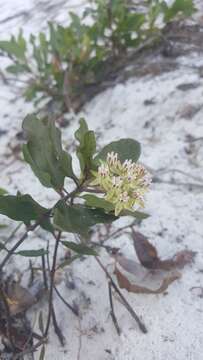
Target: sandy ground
[(164, 127)]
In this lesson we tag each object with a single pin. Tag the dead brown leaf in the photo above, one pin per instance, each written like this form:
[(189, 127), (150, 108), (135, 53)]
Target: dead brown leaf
[(148, 255), (135, 278), (125, 283), (146, 252), (19, 299)]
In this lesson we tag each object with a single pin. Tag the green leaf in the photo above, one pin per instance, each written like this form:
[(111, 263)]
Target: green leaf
[(126, 149), (79, 248), (185, 7), (3, 191), (78, 218), (53, 37), (44, 46), (96, 202), (17, 69), (11, 48), (31, 91), (66, 164), (15, 46), (31, 253), (24, 208), (137, 214), (44, 152), (87, 146)]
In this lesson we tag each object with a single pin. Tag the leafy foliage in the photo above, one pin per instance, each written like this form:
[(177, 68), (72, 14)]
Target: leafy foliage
[(24, 208), (86, 148), (79, 248), (44, 152), (71, 57), (51, 165), (32, 253), (78, 218), (125, 148)]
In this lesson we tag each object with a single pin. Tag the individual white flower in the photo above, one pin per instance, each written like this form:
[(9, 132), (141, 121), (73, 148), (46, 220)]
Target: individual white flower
[(112, 158), (116, 181), (124, 197), (128, 164), (103, 170)]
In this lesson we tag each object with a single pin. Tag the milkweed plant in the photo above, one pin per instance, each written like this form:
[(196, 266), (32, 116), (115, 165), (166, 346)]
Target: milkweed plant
[(111, 184)]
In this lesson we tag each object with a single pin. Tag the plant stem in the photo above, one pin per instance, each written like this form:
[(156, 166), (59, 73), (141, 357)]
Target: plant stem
[(52, 274), (34, 226), (75, 311), (19, 242), (113, 316), (57, 328), (44, 272), (124, 301)]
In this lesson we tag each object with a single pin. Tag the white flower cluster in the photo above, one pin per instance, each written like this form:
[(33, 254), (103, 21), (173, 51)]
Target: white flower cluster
[(124, 184)]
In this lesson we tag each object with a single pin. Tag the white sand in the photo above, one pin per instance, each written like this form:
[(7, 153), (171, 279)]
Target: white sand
[(174, 321)]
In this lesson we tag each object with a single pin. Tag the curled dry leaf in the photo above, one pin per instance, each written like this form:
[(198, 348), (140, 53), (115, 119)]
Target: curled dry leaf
[(135, 278), (148, 255), (146, 252)]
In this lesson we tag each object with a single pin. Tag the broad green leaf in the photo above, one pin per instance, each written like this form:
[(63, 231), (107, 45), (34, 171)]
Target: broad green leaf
[(12, 48), (79, 248), (24, 208), (185, 7), (31, 253), (17, 69), (44, 152), (15, 47), (126, 149), (78, 218), (87, 146), (96, 202)]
